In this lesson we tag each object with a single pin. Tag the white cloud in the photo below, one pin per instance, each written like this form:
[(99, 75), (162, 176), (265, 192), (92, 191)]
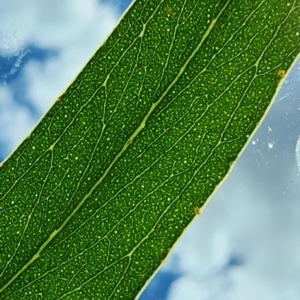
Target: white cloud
[(56, 23), (188, 288), (15, 120)]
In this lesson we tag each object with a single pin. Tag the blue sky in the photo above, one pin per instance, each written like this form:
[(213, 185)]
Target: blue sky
[(246, 244)]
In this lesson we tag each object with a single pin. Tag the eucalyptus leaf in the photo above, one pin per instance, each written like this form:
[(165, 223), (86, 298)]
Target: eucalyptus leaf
[(93, 200)]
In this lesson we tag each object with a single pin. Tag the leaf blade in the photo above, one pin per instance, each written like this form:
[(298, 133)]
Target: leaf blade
[(145, 178)]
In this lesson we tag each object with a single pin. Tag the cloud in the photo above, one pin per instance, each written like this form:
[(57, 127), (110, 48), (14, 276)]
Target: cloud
[(188, 288), (15, 120), (51, 24)]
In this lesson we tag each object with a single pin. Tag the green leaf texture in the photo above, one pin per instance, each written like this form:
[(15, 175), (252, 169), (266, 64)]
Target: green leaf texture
[(93, 200)]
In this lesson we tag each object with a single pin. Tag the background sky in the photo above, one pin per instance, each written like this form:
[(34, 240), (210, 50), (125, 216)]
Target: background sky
[(246, 244)]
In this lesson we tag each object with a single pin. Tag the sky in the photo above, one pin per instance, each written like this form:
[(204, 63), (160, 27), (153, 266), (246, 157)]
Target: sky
[(246, 243)]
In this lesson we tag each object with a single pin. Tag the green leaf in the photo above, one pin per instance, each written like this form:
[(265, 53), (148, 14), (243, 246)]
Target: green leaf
[(93, 200)]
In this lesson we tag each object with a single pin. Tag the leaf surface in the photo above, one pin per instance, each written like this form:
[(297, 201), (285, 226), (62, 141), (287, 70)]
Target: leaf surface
[(93, 200)]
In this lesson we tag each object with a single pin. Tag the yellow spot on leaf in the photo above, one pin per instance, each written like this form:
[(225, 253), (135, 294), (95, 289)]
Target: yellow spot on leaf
[(281, 73), (197, 210)]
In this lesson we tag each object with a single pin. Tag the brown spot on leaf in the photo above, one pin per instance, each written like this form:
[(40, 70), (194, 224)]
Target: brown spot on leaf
[(281, 73), (197, 210)]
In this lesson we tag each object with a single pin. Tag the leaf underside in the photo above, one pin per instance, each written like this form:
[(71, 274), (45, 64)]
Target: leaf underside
[(93, 200)]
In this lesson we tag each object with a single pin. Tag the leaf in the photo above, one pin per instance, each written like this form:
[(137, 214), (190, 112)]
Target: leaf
[(93, 200)]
